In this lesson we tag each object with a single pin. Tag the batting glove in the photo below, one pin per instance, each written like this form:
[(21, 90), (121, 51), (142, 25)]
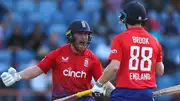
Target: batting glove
[(10, 77), (98, 90)]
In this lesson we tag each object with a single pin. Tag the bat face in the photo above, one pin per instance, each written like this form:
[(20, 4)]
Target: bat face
[(67, 98), (167, 91)]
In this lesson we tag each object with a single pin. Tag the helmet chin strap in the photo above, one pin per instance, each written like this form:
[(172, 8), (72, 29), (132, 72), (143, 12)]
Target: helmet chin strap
[(87, 45)]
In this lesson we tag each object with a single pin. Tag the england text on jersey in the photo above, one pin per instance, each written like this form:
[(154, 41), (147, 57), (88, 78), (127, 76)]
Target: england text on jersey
[(140, 76)]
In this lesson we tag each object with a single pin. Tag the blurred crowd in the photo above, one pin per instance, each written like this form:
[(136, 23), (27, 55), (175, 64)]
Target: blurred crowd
[(32, 28)]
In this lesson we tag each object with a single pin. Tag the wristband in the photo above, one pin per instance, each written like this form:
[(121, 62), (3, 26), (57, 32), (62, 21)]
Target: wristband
[(17, 76)]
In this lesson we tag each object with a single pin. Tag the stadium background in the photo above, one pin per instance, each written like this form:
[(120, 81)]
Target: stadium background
[(32, 28)]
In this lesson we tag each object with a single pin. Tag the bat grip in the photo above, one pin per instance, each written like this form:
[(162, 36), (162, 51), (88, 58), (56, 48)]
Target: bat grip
[(80, 94)]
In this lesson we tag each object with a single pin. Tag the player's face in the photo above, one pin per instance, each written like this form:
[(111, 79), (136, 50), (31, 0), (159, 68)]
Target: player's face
[(81, 39)]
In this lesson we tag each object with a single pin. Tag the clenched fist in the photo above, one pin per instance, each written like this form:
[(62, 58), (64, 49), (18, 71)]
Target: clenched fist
[(10, 77)]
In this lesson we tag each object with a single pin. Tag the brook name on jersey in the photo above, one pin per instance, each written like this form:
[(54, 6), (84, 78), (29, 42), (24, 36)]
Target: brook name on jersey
[(140, 40)]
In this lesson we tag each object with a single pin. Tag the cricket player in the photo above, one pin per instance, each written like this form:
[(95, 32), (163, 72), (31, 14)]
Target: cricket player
[(136, 56), (73, 65)]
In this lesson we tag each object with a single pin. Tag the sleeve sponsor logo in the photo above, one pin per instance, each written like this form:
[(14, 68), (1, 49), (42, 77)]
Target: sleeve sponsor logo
[(113, 51)]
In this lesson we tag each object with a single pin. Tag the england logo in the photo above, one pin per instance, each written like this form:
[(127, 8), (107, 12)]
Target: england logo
[(86, 62)]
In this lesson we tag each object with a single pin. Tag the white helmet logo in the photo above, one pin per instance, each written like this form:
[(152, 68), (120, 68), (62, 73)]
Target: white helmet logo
[(139, 18), (83, 24)]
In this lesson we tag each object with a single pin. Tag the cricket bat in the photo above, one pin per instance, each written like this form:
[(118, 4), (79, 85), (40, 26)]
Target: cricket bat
[(167, 91), (79, 94)]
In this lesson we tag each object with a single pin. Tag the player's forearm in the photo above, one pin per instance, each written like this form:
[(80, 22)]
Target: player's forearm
[(30, 73), (108, 74)]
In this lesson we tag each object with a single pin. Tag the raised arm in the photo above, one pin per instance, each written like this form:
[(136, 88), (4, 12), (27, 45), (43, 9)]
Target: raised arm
[(43, 66), (13, 76), (30, 73)]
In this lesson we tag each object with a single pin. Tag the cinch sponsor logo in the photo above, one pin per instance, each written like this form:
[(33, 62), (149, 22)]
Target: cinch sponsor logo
[(77, 74)]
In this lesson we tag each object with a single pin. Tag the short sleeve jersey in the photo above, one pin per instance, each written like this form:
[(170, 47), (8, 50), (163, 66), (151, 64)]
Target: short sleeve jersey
[(71, 72), (138, 52)]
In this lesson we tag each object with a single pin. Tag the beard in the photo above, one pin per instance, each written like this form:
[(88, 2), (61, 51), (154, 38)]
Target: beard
[(80, 46)]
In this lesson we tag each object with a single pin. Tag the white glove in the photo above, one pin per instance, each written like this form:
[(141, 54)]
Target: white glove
[(98, 90), (10, 77)]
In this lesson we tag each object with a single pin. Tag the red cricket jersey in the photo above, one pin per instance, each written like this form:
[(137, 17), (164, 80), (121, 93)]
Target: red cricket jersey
[(138, 52), (71, 72)]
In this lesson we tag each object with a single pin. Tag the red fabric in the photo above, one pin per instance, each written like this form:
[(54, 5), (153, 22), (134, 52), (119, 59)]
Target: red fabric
[(137, 52), (71, 72)]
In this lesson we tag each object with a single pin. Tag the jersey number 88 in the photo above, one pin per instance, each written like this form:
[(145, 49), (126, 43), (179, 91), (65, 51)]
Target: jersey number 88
[(135, 57)]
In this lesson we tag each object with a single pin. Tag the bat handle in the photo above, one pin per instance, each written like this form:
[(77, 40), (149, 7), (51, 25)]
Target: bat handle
[(80, 94)]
